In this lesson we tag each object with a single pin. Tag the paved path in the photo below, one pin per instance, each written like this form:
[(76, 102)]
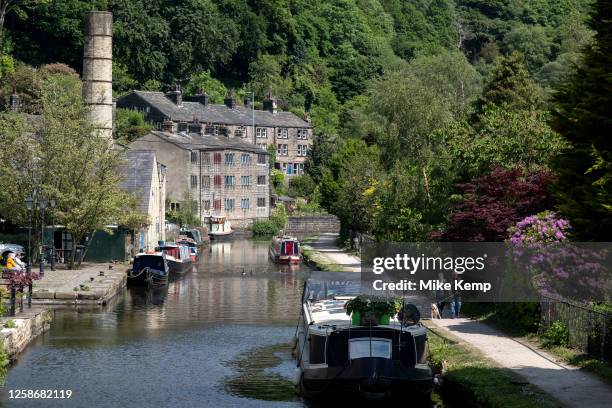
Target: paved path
[(571, 386), (326, 246), (58, 287)]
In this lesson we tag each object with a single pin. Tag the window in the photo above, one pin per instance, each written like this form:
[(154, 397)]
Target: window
[(230, 181), (302, 134), (194, 157), (261, 180), (229, 158), (194, 181), (282, 150), (205, 181), (175, 206), (245, 159), (244, 203), (261, 158), (262, 146), (375, 347), (261, 201), (182, 127), (158, 126), (298, 168), (282, 133), (211, 130), (302, 150), (284, 167), (217, 204), (205, 158), (229, 204), (217, 180), (245, 181), (217, 158), (207, 205), (241, 131), (261, 133)]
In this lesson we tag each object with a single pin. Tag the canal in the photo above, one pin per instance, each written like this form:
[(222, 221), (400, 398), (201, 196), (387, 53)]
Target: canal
[(216, 337)]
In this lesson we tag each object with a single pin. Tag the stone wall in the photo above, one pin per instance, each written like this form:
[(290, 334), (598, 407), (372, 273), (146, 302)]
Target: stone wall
[(313, 224), (26, 329)]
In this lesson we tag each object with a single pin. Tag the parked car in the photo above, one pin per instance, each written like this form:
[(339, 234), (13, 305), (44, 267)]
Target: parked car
[(19, 250)]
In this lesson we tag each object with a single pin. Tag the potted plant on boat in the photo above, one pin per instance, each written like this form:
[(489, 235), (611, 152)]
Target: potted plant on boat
[(367, 309)]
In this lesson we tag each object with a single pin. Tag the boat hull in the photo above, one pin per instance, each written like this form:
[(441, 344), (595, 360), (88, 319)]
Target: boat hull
[(181, 267), (369, 377), (220, 236), (148, 277)]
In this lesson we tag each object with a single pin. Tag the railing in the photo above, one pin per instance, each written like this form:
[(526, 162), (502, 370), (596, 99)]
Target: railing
[(589, 330)]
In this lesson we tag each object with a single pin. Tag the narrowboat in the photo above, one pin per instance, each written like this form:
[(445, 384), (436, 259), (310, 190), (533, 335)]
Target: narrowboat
[(336, 355), (177, 256), (149, 270), (218, 227), (285, 249), (191, 244)]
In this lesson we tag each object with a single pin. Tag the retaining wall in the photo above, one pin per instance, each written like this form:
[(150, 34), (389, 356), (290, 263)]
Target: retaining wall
[(313, 224)]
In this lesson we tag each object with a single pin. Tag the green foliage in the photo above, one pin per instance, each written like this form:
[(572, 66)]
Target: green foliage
[(277, 222), (301, 186), (61, 157), (557, 334), (204, 82), (277, 177), (581, 116), (370, 303), (186, 215), (7, 66), (10, 324), (510, 87), (130, 125)]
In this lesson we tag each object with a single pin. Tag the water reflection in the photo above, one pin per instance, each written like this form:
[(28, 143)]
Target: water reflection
[(169, 346)]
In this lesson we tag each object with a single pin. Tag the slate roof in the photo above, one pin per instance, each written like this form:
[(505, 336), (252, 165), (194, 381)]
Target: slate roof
[(137, 171), (216, 113), (195, 141)]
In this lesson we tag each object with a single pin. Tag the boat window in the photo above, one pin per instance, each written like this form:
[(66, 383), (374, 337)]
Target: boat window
[(369, 347)]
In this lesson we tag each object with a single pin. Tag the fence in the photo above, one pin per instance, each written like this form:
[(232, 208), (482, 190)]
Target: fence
[(589, 330)]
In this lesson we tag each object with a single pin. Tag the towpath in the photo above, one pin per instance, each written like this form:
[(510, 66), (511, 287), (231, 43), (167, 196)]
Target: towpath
[(327, 253), (571, 386)]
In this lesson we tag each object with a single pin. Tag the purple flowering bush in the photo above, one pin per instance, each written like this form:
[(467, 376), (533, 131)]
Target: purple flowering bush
[(541, 247)]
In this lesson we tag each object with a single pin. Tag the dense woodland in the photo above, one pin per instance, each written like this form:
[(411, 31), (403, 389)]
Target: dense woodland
[(421, 108)]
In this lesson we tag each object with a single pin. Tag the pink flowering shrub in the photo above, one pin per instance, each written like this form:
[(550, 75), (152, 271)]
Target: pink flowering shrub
[(540, 246), (541, 228)]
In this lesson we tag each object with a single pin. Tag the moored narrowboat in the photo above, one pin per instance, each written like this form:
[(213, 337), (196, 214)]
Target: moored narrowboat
[(367, 357), (218, 227), (285, 249), (149, 270), (177, 256)]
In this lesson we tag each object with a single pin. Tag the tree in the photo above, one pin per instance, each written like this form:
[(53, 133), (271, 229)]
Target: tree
[(582, 117), (130, 125), (204, 82), (6, 6), (510, 87), (494, 202), (61, 157), (504, 138)]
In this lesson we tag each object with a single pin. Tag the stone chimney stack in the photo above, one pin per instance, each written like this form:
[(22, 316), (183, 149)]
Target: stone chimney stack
[(176, 95), (98, 70), (230, 99), (269, 103), (168, 126), (15, 101)]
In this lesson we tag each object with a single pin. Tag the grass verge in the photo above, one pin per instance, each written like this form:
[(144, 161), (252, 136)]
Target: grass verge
[(487, 314), (477, 382)]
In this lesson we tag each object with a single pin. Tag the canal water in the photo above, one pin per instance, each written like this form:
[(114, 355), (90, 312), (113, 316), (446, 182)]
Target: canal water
[(216, 337)]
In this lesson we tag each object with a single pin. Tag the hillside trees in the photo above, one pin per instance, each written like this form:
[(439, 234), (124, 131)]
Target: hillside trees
[(582, 117)]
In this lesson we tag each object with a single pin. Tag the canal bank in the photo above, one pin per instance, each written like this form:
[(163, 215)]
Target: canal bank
[(93, 284), (323, 253), (20, 330)]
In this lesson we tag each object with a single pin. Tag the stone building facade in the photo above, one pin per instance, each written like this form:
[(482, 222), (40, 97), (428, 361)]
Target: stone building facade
[(145, 178), (290, 135), (224, 176)]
